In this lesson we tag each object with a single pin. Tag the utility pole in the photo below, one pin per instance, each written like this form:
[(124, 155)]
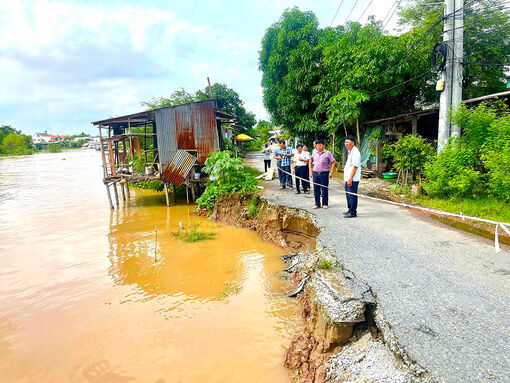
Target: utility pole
[(451, 96)]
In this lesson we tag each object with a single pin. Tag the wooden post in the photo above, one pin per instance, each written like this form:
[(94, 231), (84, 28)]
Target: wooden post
[(174, 189), (414, 125), (378, 158), (116, 193), (166, 194), (122, 191), (187, 195), (192, 185), (127, 190), (109, 195)]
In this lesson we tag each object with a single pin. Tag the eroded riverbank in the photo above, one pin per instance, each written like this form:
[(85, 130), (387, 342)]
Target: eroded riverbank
[(341, 340)]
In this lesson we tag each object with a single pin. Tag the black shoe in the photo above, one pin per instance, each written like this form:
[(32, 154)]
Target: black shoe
[(298, 192), (350, 215), (348, 212)]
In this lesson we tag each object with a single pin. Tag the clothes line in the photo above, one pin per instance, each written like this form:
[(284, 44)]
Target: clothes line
[(503, 225)]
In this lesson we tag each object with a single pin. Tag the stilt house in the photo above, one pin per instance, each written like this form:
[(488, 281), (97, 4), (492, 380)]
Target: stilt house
[(167, 144)]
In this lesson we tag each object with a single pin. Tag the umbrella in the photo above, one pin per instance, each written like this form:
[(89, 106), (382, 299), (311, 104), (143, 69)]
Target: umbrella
[(243, 137)]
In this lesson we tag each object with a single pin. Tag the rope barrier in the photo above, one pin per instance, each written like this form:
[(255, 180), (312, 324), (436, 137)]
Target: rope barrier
[(498, 224)]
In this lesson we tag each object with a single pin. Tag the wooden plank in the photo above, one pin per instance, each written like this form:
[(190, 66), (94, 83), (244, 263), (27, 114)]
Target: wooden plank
[(111, 158)]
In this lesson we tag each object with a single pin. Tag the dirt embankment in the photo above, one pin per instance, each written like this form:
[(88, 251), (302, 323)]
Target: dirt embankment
[(341, 342)]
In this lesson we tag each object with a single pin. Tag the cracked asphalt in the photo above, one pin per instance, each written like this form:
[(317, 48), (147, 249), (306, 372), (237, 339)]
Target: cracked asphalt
[(444, 293)]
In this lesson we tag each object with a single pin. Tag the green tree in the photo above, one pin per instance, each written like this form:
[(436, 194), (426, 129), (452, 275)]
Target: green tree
[(486, 40), (290, 65), (14, 143), (229, 101), (178, 97), (7, 129)]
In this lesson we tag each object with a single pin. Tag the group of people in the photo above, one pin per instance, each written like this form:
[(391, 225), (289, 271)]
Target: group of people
[(319, 166)]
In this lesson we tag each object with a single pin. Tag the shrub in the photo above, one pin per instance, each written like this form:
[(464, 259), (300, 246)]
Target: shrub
[(478, 163), (229, 176), (193, 234), (410, 154)]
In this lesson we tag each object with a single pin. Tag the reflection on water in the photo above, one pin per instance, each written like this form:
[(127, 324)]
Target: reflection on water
[(86, 295)]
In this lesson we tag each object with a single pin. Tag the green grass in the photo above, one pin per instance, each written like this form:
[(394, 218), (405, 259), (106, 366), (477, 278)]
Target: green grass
[(193, 234), (251, 171), (325, 264), (488, 208)]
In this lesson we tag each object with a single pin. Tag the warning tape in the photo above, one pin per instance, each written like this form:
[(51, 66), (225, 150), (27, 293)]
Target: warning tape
[(498, 224)]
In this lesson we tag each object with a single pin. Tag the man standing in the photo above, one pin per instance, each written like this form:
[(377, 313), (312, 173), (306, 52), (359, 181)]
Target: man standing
[(283, 156), (301, 159), (267, 157), (352, 176), (319, 171)]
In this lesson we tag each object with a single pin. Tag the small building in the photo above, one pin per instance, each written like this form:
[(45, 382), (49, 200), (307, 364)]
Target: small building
[(425, 122), (164, 144)]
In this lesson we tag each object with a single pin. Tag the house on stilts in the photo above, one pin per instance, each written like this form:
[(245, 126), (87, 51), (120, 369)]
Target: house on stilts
[(168, 144)]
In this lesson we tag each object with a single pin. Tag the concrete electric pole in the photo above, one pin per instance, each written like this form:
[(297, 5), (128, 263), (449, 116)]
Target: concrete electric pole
[(451, 96)]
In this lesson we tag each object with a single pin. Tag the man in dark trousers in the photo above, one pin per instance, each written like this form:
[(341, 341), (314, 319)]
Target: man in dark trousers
[(352, 176), (283, 157), (319, 171), (300, 160)]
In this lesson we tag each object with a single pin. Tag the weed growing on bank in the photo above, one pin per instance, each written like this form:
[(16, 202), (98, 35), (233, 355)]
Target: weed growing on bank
[(325, 264), (193, 234)]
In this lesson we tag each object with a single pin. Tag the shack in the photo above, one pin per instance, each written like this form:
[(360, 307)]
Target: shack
[(168, 144)]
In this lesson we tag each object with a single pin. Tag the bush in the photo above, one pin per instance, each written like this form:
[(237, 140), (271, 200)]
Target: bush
[(152, 185), (193, 234), (478, 163), (229, 176), (410, 154)]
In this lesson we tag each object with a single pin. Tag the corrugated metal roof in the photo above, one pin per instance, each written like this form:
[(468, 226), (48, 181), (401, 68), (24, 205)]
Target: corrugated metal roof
[(178, 169), (189, 127)]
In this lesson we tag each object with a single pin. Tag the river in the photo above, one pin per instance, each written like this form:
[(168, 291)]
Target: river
[(88, 295)]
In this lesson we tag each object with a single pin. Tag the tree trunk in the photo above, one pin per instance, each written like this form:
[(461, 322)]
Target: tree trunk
[(357, 130)]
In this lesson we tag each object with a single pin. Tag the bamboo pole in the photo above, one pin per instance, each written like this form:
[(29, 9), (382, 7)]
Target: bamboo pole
[(187, 195), (122, 191), (192, 185), (109, 195), (166, 194), (115, 193), (127, 190), (174, 189), (357, 131)]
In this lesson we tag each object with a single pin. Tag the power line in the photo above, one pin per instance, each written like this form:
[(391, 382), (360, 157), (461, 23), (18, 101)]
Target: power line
[(395, 2), (370, 3), (352, 9), (402, 83), (392, 15), (336, 13)]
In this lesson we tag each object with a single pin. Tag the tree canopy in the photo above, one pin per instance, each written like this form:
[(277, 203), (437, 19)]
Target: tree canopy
[(306, 69), (228, 101)]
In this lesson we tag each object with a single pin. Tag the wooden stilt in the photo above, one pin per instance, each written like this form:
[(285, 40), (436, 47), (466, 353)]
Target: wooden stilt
[(192, 186), (115, 193), (122, 191), (166, 194), (109, 196), (174, 189), (127, 190), (187, 193)]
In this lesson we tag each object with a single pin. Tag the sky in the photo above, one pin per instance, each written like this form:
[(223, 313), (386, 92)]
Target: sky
[(64, 64)]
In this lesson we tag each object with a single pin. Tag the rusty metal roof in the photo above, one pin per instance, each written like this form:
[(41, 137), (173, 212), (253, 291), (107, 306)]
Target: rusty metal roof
[(178, 169)]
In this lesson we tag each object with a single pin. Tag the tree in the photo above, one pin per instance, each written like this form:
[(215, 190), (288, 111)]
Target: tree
[(6, 130), (290, 65), (178, 97), (229, 101), (15, 144), (486, 40)]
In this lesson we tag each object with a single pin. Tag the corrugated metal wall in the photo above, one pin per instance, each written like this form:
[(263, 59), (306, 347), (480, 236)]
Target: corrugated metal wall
[(188, 127)]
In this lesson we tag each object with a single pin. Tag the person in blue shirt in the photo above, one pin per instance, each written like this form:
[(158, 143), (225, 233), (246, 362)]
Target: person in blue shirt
[(283, 156)]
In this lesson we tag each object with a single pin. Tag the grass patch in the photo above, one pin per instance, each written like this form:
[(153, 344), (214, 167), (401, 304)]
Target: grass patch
[(253, 206), (488, 208), (251, 171), (193, 234), (325, 264)]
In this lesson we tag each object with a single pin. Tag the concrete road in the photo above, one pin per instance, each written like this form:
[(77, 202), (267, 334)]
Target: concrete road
[(444, 293)]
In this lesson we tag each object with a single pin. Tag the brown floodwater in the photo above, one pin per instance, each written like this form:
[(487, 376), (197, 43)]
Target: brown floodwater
[(88, 295)]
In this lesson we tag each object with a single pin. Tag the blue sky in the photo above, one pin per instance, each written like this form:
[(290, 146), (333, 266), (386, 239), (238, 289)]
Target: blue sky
[(64, 64)]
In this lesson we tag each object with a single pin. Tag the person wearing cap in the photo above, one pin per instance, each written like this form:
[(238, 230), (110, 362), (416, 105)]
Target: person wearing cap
[(352, 176), (320, 164)]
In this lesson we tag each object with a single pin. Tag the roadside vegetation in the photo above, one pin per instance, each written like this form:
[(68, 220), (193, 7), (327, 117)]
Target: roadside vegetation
[(227, 175)]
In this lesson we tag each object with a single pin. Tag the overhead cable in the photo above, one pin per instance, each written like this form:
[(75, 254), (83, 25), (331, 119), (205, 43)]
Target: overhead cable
[(352, 9), (336, 13), (370, 3)]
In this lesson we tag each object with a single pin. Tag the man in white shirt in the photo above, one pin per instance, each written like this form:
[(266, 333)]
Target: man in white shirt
[(352, 176), (301, 160)]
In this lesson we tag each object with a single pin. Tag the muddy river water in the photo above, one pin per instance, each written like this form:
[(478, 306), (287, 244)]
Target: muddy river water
[(87, 295)]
